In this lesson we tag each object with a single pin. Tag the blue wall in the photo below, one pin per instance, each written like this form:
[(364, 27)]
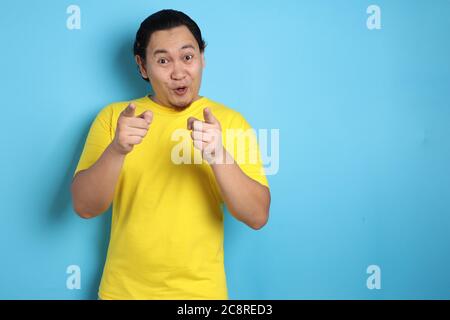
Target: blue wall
[(364, 120)]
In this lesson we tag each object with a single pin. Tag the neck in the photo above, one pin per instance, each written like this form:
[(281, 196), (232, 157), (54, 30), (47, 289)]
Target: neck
[(155, 99)]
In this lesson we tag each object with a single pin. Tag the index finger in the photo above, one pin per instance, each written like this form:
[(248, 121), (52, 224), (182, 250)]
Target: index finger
[(138, 123)]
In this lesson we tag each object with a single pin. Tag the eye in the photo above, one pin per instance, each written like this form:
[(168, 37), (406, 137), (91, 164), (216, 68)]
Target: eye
[(188, 57), (162, 61)]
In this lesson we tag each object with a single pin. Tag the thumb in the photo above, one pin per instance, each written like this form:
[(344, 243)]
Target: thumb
[(209, 117), (147, 115), (129, 110)]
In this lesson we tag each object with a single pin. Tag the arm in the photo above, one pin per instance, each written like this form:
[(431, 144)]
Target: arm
[(247, 199), (93, 189)]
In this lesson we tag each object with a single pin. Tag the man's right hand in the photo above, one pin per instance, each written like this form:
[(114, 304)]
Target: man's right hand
[(131, 129)]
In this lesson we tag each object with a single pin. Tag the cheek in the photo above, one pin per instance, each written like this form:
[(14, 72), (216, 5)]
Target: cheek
[(158, 76), (196, 72)]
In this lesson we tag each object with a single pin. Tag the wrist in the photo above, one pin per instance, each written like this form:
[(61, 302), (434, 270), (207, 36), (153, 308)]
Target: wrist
[(222, 157), (115, 151)]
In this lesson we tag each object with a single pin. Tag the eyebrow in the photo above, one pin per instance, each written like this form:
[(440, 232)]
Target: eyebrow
[(186, 46)]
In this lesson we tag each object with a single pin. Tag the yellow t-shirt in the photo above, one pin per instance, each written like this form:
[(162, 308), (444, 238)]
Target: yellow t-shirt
[(167, 220)]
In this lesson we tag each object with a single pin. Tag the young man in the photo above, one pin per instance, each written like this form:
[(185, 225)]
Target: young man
[(167, 225)]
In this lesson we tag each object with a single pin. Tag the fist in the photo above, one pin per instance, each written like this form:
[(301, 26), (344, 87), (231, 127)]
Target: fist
[(131, 129), (207, 136)]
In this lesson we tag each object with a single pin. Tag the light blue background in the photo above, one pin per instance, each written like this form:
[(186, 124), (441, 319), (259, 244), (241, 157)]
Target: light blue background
[(364, 119)]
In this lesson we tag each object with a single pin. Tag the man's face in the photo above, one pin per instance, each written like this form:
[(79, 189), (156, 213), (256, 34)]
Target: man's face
[(174, 65)]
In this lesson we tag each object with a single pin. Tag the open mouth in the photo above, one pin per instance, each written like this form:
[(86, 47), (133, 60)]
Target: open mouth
[(181, 90)]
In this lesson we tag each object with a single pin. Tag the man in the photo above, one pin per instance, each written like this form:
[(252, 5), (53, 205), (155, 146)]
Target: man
[(167, 225)]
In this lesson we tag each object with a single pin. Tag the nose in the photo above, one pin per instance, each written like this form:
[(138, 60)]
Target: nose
[(178, 72)]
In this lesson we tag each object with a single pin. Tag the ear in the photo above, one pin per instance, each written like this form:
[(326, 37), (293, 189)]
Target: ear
[(141, 65), (203, 60)]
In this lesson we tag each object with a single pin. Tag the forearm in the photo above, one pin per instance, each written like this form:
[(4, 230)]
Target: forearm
[(93, 189), (247, 200)]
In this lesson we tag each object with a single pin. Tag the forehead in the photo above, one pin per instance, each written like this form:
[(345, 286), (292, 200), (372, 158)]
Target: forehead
[(171, 39)]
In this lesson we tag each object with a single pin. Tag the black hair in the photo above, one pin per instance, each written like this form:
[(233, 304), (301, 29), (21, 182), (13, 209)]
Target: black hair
[(164, 20)]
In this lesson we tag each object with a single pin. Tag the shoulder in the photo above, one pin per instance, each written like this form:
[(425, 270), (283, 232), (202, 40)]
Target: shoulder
[(112, 110), (114, 107)]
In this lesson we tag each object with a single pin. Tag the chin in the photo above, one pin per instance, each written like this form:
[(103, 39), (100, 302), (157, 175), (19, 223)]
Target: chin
[(182, 103)]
